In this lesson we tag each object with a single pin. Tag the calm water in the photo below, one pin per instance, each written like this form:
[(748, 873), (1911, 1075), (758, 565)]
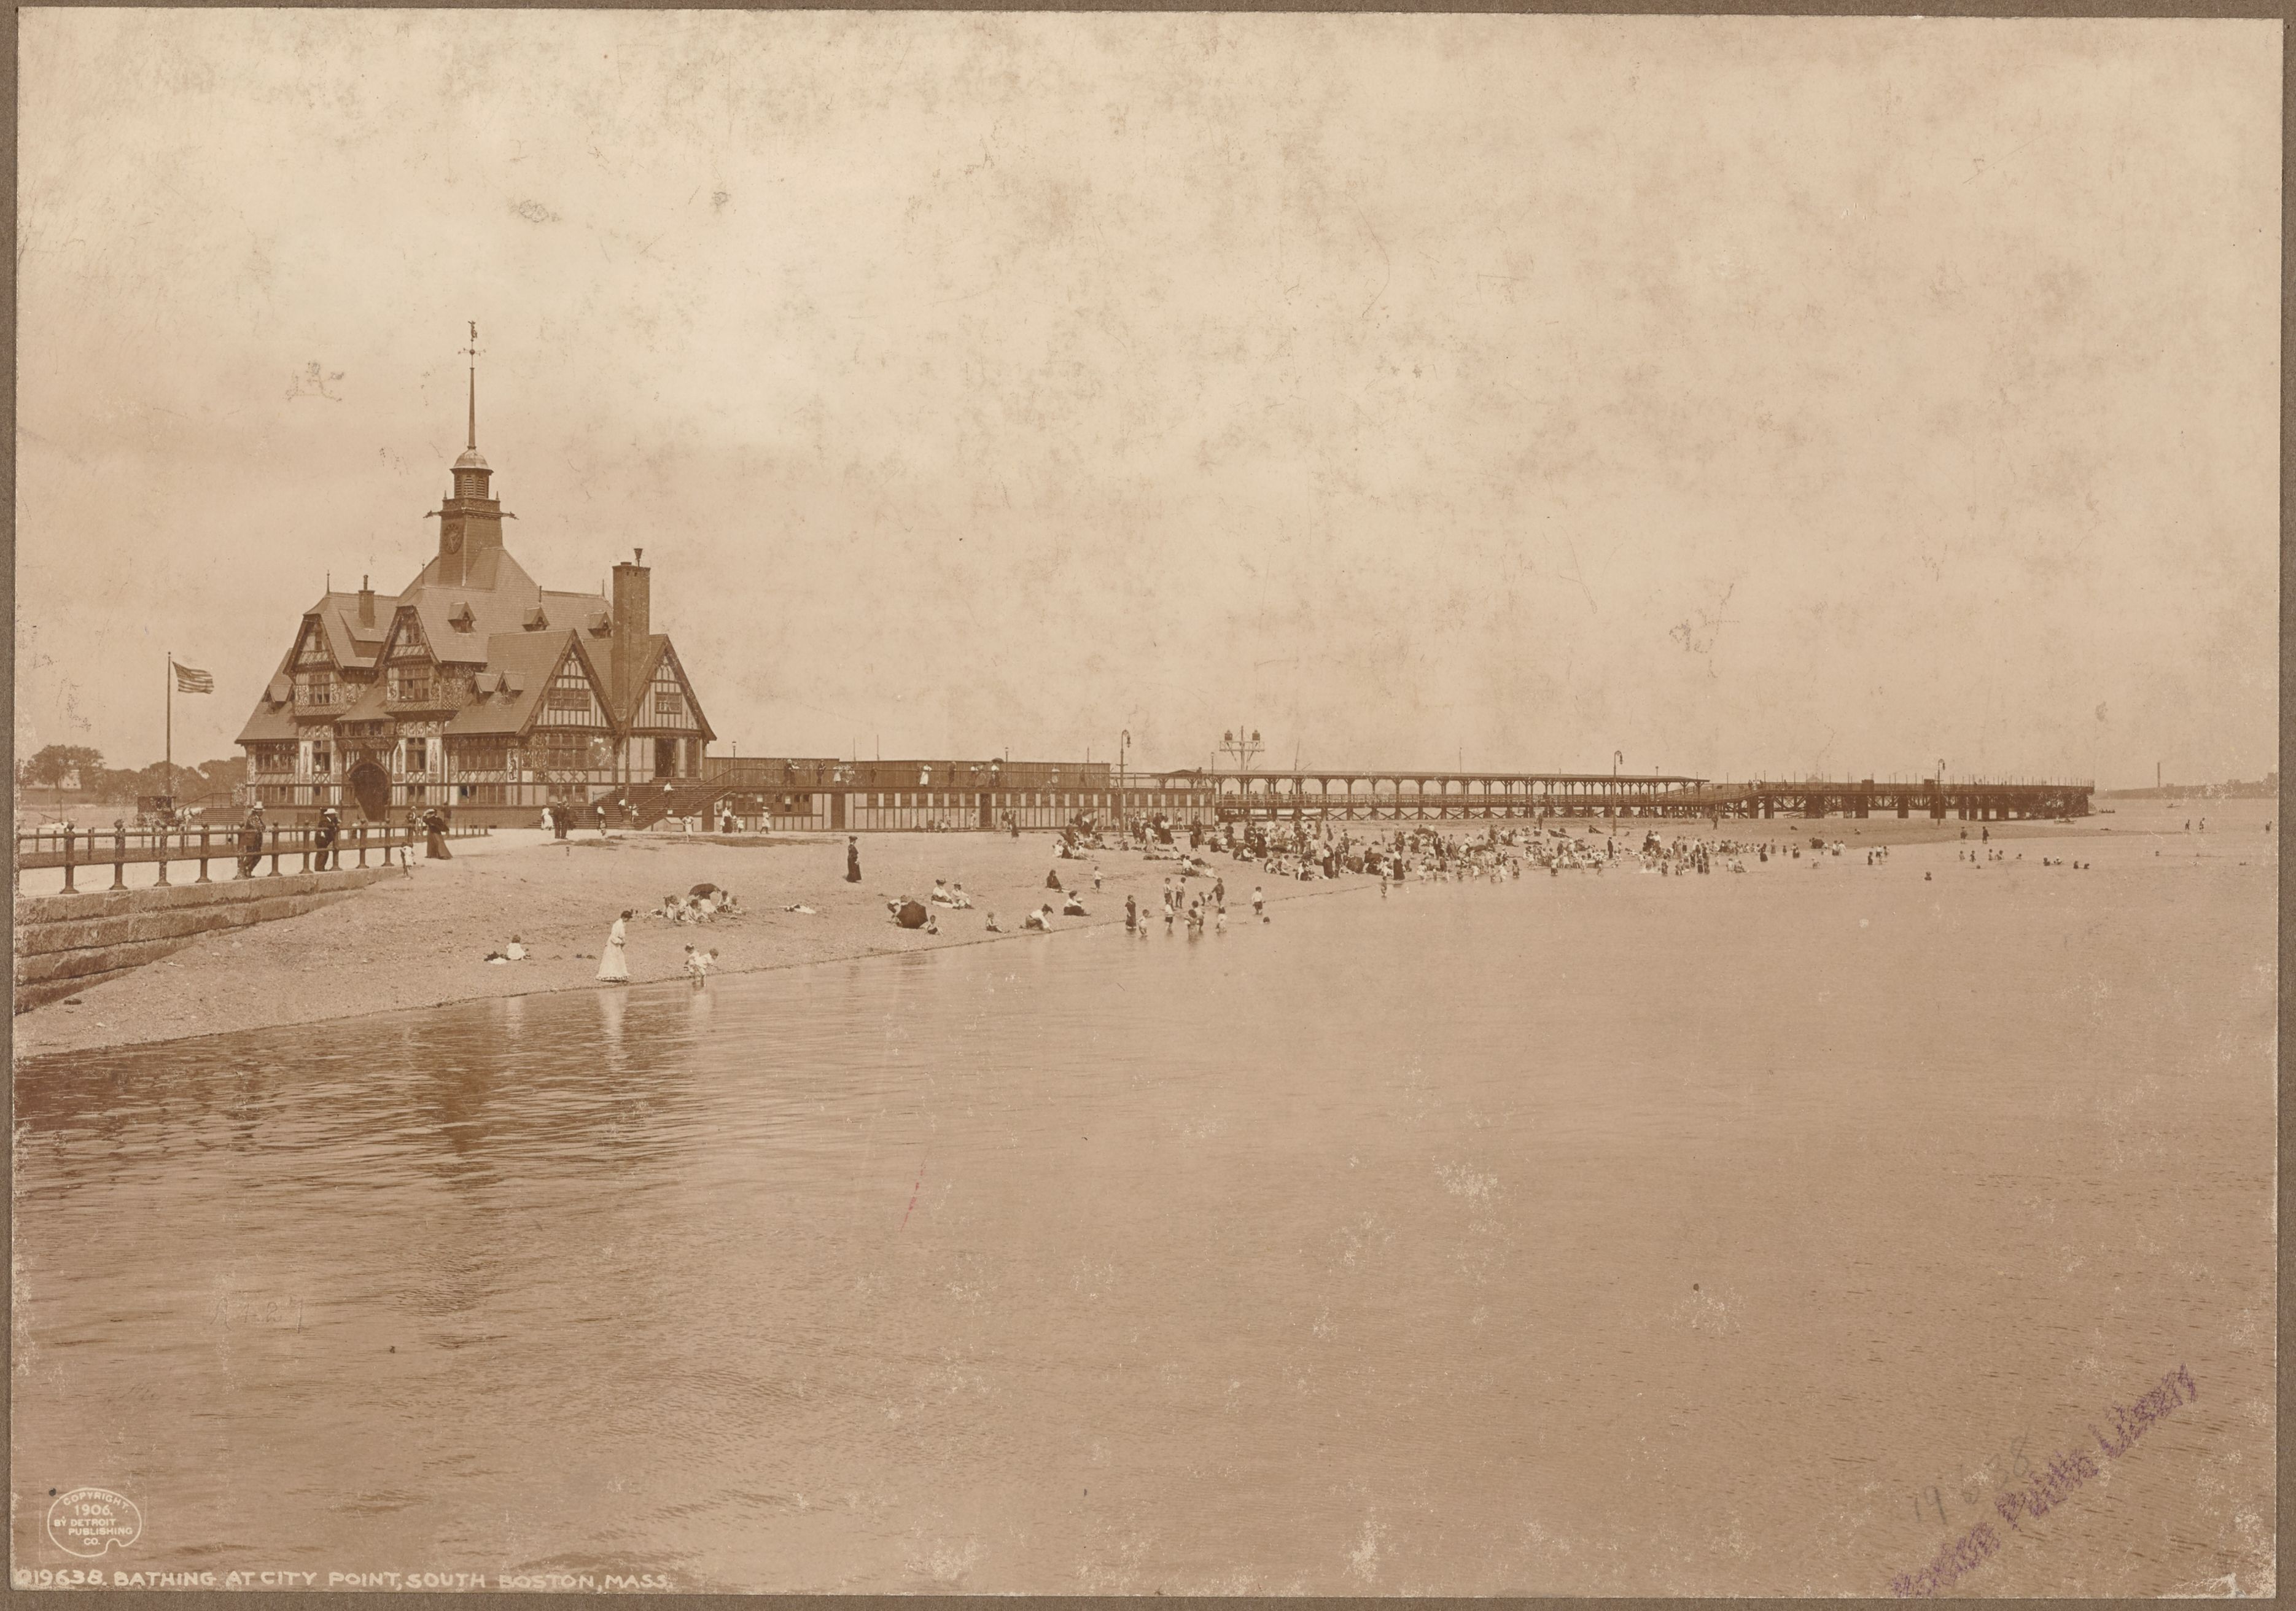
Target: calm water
[(1571, 1235)]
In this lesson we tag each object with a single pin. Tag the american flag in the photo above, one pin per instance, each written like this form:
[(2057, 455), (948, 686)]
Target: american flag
[(188, 680)]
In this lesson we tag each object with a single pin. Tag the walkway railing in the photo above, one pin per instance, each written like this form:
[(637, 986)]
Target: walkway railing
[(74, 849)]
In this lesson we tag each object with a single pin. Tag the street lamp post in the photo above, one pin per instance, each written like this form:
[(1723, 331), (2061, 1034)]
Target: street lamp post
[(1245, 747)]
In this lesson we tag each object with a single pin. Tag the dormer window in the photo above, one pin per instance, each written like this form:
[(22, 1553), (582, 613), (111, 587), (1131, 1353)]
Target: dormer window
[(536, 620), (465, 617)]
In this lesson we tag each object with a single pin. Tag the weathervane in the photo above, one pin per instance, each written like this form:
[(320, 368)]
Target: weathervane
[(472, 349)]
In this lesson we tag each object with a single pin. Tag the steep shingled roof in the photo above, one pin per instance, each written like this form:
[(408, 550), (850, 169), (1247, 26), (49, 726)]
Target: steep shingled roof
[(527, 658), (496, 604)]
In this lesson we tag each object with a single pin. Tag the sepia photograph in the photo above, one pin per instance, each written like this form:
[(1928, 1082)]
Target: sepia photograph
[(1050, 803)]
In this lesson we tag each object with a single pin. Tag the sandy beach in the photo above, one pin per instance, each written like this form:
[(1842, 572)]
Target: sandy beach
[(421, 940)]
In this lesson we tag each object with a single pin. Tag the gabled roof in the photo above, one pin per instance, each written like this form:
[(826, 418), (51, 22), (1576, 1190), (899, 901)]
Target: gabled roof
[(348, 642), (489, 570), (269, 722), (657, 646), (368, 706), (528, 659), (496, 601)]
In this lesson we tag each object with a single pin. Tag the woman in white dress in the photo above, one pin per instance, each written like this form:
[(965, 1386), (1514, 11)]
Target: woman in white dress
[(614, 966)]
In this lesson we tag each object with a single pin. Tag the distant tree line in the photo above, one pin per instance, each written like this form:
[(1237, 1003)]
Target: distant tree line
[(60, 766), (2266, 787)]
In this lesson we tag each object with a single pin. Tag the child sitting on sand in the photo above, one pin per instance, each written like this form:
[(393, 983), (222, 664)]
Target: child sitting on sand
[(992, 924)]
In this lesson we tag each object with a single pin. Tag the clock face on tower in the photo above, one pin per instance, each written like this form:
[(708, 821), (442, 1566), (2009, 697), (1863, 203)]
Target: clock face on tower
[(451, 539)]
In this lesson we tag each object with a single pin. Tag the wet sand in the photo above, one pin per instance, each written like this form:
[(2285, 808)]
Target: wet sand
[(421, 941)]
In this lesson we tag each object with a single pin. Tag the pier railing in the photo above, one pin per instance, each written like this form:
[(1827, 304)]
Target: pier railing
[(76, 850)]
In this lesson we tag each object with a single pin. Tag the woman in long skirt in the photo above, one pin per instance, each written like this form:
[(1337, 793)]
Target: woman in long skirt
[(614, 966)]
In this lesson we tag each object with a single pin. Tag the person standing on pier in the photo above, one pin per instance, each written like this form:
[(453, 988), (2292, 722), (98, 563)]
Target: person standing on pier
[(434, 827), (852, 859), (330, 829), (250, 841)]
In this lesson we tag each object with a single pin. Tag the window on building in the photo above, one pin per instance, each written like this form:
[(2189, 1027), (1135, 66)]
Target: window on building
[(418, 755), (568, 702), (666, 696), (320, 760)]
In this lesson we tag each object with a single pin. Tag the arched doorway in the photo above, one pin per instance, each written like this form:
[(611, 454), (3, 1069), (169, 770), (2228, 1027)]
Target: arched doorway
[(371, 785)]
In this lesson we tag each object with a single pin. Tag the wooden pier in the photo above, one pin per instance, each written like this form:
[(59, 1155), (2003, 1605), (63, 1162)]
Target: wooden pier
[(792, 795), (1417, 796)]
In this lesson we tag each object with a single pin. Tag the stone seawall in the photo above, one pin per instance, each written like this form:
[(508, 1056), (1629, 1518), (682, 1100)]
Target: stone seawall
[(66, 943)]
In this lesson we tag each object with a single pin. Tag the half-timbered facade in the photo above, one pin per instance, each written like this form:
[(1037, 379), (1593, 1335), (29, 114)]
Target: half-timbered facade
[(476, 689)]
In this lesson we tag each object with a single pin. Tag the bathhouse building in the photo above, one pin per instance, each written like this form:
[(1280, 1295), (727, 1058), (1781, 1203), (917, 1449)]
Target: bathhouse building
[(474, 688)]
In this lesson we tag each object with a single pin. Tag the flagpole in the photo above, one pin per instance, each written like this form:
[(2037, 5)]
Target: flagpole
[(168, 776)]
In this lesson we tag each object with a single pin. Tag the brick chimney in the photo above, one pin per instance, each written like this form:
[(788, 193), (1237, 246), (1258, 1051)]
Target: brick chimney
[(633, 629), (366, 602)]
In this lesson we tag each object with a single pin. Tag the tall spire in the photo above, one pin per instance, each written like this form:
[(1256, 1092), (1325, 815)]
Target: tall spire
[(471, 523), (474, 350)]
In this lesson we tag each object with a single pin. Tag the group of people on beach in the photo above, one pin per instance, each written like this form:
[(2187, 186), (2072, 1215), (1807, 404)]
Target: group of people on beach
[(1301, 851)]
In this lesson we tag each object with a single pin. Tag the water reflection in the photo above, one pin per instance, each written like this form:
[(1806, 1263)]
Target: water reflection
[(1454, 1242)]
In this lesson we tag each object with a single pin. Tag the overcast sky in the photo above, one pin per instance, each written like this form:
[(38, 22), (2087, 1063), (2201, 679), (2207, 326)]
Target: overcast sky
[(1739, 396)]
